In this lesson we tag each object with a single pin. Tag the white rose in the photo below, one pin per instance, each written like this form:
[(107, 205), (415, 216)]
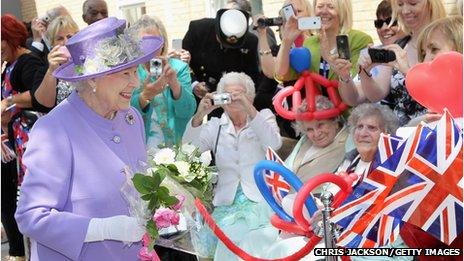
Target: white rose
[(188, 148), (205, 158), (183, 168), (165, 156)]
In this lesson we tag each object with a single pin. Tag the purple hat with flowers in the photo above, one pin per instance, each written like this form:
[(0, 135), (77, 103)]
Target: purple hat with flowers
[(106, 47)]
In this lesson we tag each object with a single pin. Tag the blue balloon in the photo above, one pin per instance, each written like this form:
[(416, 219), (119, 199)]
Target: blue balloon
[(288, 176), (300, 59)]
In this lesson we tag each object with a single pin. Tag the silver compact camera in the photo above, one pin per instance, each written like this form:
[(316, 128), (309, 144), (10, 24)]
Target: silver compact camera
[(156, 67), (222, 99)]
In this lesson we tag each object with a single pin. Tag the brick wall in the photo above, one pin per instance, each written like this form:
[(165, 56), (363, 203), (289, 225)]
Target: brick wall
[(176, 14)]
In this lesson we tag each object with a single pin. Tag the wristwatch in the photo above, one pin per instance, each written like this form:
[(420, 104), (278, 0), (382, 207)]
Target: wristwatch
[(9, 100), (264, 52)]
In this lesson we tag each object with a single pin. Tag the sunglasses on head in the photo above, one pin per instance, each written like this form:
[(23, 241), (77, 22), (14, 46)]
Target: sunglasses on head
[(379, 22)]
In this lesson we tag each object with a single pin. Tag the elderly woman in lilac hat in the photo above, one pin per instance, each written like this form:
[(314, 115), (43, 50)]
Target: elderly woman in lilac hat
[(80, 154)]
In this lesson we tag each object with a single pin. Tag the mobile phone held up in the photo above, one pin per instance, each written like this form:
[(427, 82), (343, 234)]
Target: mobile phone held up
[(176, 44), (309, 23), (156, 67), (343, 47), (381, 55), (288, 11)]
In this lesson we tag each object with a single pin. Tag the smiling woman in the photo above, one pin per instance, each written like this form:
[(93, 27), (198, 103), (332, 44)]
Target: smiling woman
[(90, 142), (322, 145)]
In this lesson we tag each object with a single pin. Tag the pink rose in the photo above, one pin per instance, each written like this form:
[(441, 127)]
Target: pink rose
[(175, 218), (162, 217), (144, 255), (146, 239), (179, 204)]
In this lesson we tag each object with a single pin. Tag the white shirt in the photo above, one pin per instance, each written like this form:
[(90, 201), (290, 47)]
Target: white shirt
[(237, 153)]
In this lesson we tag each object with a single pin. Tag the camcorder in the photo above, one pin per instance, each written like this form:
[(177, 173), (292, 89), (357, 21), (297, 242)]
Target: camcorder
[(381, 55), (265, 22)]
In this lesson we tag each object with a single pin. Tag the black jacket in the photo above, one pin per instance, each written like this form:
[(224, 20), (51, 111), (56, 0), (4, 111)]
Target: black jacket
[(209, 60)]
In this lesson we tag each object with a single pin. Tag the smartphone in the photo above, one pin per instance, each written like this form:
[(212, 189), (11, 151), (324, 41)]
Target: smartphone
[(343, 47), (176, 44), (309, 23), (381, 55), (156, 67), (288, 11)]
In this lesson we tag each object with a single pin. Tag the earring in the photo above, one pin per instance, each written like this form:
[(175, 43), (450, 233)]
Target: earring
[(94, 90)]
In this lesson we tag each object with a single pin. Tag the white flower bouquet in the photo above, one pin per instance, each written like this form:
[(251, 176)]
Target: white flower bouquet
[(186, 170)]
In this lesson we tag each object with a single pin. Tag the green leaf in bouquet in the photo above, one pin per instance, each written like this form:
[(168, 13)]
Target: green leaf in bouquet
[(146, 197), (170, 201), (152, 230), (153, 204), (156, 179), (172, 168), (142, 183)]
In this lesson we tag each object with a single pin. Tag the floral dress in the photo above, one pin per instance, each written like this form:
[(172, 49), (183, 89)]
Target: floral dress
[(400, 101), (19, 124)]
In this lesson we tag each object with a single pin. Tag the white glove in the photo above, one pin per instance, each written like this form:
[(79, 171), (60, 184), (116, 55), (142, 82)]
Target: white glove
[(120, 228)]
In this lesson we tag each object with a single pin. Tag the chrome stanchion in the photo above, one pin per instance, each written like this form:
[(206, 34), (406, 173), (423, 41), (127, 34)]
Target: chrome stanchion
[(328, 228)]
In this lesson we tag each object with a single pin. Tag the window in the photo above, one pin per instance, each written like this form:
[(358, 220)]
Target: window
[(132, 10)]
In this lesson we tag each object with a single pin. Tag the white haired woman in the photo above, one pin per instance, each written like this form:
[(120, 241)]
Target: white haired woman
[(322, 147), (366, 123), (239, 140), (71, 204)]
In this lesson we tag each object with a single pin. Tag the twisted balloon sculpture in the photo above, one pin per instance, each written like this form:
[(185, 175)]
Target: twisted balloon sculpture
[(301, 226), (300, 59)]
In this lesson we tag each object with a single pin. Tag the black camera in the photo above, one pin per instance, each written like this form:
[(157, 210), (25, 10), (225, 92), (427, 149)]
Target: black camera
[(381, 55), (264, 22)]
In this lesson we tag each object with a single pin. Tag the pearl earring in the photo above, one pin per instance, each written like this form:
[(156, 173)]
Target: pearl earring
[(94, 90)]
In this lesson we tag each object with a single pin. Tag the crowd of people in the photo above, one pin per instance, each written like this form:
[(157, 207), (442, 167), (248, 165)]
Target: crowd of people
[(81, 106)]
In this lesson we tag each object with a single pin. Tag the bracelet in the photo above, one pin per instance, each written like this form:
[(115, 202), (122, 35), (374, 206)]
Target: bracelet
[(264, 52), (343, 80), (367, 73)]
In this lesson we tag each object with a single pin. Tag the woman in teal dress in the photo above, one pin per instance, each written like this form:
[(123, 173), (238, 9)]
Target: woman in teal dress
[(166, 102)]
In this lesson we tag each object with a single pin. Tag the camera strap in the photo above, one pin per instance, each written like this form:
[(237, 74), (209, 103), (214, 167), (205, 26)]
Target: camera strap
[(213, 161)]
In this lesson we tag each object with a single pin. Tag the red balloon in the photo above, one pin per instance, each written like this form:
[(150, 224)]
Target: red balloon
[(303, 194), (438, 84)]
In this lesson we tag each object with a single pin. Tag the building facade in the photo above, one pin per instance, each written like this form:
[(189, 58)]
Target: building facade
[(176, 14)]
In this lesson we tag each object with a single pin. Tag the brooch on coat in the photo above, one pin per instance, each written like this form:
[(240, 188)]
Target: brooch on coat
[(130, 119)]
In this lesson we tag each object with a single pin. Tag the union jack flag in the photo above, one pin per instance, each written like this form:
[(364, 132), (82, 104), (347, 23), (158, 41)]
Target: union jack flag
[(429, 193), (361, 215), (275, 182)]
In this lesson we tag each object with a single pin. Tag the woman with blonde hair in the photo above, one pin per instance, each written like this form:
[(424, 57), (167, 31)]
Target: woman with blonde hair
[(165, 100), (49, 91), (336, 18), (389, 86), (442, 35)]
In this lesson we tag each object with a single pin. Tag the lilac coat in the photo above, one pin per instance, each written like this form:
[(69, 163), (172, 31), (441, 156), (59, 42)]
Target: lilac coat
[(74, 173)]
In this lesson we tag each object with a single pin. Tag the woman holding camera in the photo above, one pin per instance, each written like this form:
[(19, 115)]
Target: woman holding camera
[(48, 91), (165, 97), (238, 140), (336, 18), (389, 32), (389, 85)]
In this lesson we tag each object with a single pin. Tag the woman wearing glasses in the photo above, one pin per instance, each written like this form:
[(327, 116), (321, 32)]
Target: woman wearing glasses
[(389, 86), (389, 32)]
